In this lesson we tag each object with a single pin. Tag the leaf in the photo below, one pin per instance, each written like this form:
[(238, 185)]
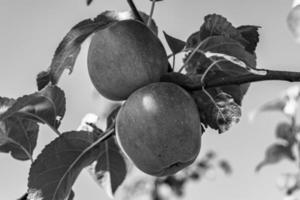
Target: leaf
[(110, 169), (228, 46), (217, 25), (276, 153), (55, 170), (176, 45), (18, 135), (66, 53), (71, 195), (24, 197), (47, 106), (217, 109), (180, 79), (111, 119), (250, 33), (88, 2), (223, 57), (285, 131)]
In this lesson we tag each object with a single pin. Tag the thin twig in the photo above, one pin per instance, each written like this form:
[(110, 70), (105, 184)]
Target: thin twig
[(173, 64), (135, 11), (151, 13)]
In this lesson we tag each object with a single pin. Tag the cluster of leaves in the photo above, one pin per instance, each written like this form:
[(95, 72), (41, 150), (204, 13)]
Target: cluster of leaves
[(216, 51), (56, 168), (287, 135), (174, 186)]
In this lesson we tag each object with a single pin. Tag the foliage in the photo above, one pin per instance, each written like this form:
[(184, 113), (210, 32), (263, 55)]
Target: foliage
[(217, 51)]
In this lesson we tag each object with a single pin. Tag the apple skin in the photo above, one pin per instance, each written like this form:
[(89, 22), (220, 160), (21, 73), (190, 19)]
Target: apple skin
[(124, 57), (159, 129), (124, 15)]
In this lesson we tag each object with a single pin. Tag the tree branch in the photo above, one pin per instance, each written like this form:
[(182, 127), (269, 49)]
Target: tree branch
[(135, 11), (270, 75)]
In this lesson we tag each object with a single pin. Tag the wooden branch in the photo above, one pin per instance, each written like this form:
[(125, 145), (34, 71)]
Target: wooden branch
[(270, 75)]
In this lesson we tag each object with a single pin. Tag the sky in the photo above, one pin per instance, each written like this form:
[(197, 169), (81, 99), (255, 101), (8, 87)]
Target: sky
[(31, 30)]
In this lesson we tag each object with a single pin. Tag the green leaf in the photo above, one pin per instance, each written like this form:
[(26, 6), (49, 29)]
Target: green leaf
[(55, 170), (217, 109), (250, 33), (111, 119), (223, 57), (180, 79), (276, 153), (176, 45), (110, 169), (228, 46), (47, 106), (18, 135), (24, 197), (71, 195), (217, 25), (67, 51)]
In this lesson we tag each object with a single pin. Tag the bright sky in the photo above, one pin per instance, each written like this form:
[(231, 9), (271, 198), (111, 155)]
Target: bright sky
[(31, 30)]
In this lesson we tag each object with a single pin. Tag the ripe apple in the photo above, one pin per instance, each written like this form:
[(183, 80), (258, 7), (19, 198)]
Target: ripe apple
[(159, 129), (128, 14), (124, 57)]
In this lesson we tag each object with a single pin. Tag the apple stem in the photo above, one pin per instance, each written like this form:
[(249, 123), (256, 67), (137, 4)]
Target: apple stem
[(151, 13), (135, 11)]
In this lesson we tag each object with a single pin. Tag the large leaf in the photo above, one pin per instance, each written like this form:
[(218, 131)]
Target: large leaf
[(276, 153), (47, 106), (55, 170), (110, 169), (176, 45), (18, 135), (228, 46), (222, 57), (218, 25)]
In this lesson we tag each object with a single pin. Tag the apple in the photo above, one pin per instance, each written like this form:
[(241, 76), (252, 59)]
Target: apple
[(159, 129), (124, 57), (128, 14)]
